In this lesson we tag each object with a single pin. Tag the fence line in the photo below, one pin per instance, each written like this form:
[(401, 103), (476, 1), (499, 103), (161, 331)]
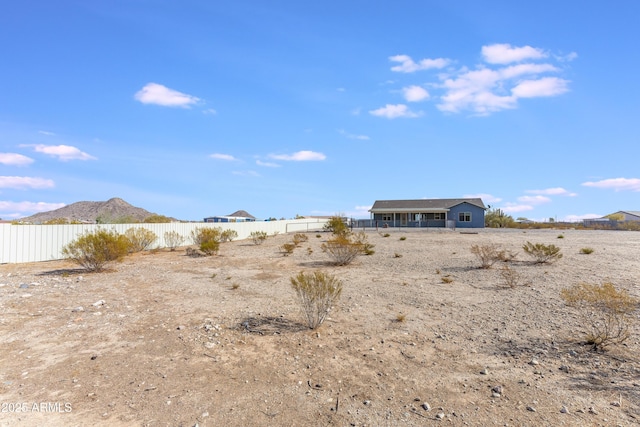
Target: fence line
[(33, 243)]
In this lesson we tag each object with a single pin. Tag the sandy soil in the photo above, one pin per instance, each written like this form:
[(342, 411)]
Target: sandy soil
[(163, 339)]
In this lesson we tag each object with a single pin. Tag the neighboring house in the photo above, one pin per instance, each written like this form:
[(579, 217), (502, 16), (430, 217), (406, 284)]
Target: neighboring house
[(462, 213), (625, 215), (237, 216)]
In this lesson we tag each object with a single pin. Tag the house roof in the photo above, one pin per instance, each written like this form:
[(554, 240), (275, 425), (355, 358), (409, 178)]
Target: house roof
[(241, 214), (422, 205)]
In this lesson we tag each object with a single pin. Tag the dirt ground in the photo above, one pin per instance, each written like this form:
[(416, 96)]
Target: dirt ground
[(163, 339)]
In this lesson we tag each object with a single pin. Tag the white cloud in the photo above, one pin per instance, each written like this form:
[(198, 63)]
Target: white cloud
[(534, 200), (353, 136), (23, 182), (515, 208), (407, 65), (359, 212), (394, 111), (15, 159), (578, 218), (556, 191), (617, 184), (153, 93), (267, 164), (415, 93), (547, 86), (486, 198), (28, 207), (62, 152), (505, 53), (246, 173), (220, 156), (300, 156)]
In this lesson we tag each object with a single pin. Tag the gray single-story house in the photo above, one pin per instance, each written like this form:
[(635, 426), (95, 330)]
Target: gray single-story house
[(626, 215), (237, 216), (453, 213)]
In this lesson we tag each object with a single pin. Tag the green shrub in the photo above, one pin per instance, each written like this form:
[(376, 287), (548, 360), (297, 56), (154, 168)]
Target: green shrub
[(542, 253), (207, 239), (317, 292), (603, 309), (94, 250), (258, 237), (140, 238), (173, 239), (337, 225)]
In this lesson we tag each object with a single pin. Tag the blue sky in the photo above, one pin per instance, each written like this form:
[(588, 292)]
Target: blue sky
[(198, 108)]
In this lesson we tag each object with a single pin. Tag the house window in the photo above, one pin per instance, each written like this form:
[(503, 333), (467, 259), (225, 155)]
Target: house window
[(386, 217), (464, 217)]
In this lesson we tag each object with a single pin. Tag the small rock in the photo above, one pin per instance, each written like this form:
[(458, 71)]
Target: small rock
[(531, 409)]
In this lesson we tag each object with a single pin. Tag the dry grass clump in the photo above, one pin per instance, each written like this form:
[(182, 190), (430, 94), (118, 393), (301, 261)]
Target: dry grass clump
[(317, 292), (604, 310)]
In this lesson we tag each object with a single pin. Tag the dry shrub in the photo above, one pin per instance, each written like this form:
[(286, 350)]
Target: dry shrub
[(299, 238), (173, 239), (287, 248), (258, 237), (487, 254), (94, 250), (542, 253), (604, 310), (342, 249), (510, 277), (317, 292), (139, 238)]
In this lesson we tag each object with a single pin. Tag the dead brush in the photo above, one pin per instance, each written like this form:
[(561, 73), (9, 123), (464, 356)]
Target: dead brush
[(604, 310)]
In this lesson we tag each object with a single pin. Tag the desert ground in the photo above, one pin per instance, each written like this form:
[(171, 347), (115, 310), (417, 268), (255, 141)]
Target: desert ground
[(163, 339)]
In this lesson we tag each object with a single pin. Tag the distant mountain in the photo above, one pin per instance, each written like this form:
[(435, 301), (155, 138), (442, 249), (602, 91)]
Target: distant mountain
[(112, 209)]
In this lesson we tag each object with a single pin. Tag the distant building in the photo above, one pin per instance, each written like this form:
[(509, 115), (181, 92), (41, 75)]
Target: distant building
[(462, 213), (237, 216)]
